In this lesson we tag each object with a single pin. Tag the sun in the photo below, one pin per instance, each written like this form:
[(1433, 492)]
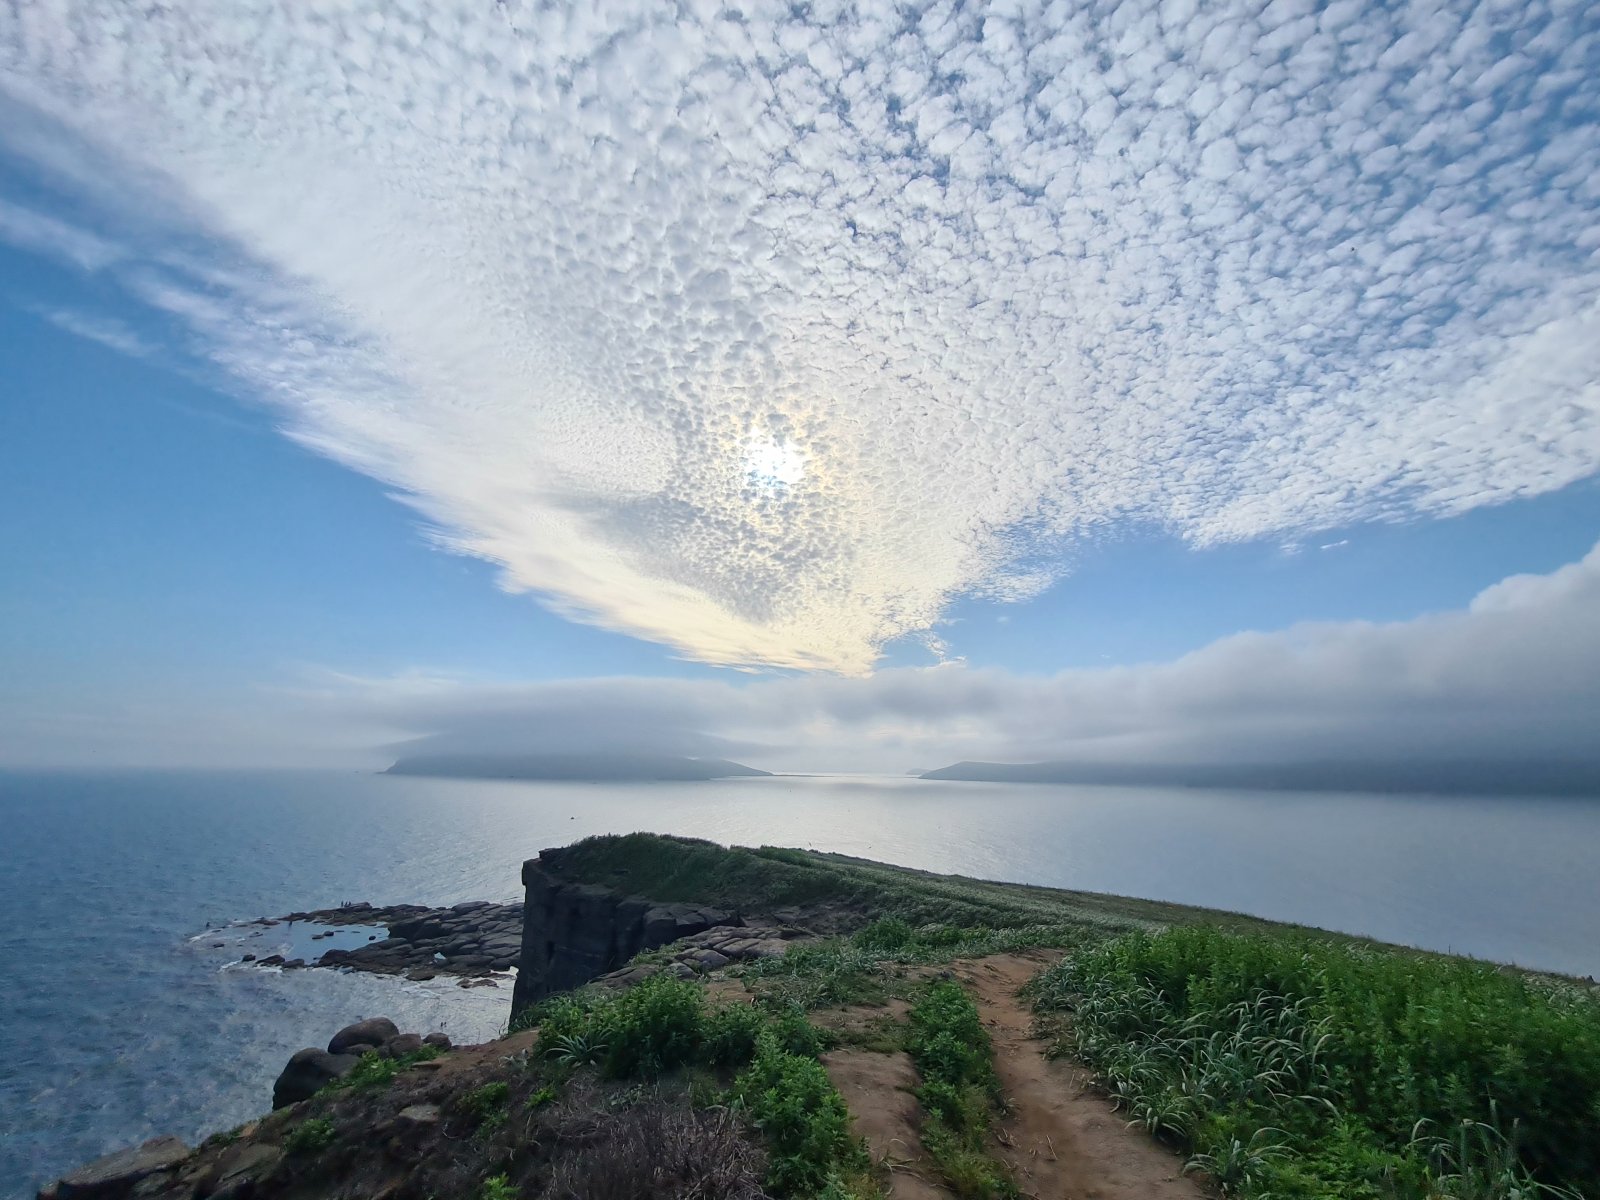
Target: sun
[(774, 464)]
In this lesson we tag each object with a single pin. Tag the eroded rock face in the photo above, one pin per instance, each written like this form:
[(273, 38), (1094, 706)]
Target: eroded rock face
[(116, 1174), (575, 932)]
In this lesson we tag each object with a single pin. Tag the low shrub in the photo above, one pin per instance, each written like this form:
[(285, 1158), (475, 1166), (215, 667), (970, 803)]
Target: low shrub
[(655, 1026), (731, 1033), (663, 1024), (790, 1098), (311, 1136), (959, 1091), (656, 1152)]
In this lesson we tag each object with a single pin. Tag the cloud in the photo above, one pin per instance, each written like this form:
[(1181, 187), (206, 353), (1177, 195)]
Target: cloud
[(108, 331), (1514, 676), (44, 234), (983, 281)]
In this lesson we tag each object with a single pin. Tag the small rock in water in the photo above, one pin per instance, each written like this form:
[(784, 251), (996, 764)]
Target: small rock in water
[(248, 958)]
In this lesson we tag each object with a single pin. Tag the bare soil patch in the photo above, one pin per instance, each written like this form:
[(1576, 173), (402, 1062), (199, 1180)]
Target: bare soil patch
[(877, 1088)]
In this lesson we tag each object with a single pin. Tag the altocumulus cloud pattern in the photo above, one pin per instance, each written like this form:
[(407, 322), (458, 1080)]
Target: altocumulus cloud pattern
[(764, 330)]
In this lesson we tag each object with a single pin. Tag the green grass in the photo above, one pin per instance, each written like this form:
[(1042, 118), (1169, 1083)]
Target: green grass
[(1293, 1066), (497, 1187), (488, 1106), (861, 969), (959, 1092), (375, 1072), (761, 880), (311, 1136)]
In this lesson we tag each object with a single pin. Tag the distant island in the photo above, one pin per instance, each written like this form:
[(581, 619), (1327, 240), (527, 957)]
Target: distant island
[(1499, 777), (632, 768)]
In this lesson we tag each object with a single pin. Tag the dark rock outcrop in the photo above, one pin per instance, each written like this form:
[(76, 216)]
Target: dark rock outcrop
[(116, 1175), (239, 1168), (574, 932), (373, 1032), (473, 939), (308, 1072)]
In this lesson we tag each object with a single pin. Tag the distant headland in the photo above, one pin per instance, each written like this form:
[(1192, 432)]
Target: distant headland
[(632, 768), (1495, 777)]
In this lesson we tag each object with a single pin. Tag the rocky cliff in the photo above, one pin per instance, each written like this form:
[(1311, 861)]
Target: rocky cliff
[(573, 932)]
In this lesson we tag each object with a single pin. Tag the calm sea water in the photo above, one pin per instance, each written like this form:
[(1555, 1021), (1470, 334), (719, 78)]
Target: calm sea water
[(121, 1019)]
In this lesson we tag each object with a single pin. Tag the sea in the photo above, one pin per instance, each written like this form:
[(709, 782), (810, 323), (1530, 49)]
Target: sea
[(125, 1011)]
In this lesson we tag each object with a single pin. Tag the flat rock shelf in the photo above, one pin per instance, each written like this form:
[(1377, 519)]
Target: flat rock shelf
[(475, 939)]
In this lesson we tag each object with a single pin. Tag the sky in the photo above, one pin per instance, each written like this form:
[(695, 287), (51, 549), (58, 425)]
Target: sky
[(843, 386)]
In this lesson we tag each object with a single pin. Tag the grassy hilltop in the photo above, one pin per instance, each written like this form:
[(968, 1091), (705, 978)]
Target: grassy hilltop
[(1285, 1062)]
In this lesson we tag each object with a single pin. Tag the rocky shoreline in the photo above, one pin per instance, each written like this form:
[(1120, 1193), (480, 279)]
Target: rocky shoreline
[(475, 940), (480, 942)]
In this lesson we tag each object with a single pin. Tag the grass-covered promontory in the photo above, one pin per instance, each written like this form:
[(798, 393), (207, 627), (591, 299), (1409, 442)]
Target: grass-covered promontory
[(1283, 1062), (768, 878)]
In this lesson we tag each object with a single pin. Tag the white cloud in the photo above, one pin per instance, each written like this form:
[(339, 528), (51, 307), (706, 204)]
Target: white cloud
[(45, 234), (997, 279), (1514, 676), (108, 331)]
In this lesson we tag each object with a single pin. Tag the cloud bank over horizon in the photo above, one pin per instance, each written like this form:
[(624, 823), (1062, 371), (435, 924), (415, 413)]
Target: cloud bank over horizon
[(1514, 676), (764, 336)]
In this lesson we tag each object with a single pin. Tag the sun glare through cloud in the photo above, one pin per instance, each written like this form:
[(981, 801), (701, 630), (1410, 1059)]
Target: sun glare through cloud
[(774, 465), (1228, 271)]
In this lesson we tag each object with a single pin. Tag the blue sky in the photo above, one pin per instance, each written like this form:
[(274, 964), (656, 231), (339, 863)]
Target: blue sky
[(862, 351)]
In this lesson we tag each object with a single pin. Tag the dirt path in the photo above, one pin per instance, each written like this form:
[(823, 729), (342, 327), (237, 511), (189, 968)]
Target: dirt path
[(1061, 1141), (877, 1088)]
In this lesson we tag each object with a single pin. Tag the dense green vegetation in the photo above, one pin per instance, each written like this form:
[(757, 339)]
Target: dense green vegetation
[(1296, 1066), (959, 1092), (664, 1024)]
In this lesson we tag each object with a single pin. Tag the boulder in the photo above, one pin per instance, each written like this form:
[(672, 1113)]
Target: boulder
[(438, 1040), (406, 1043), (419, 1116), (307, 1073), (116, 1174), (374, 1031)]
